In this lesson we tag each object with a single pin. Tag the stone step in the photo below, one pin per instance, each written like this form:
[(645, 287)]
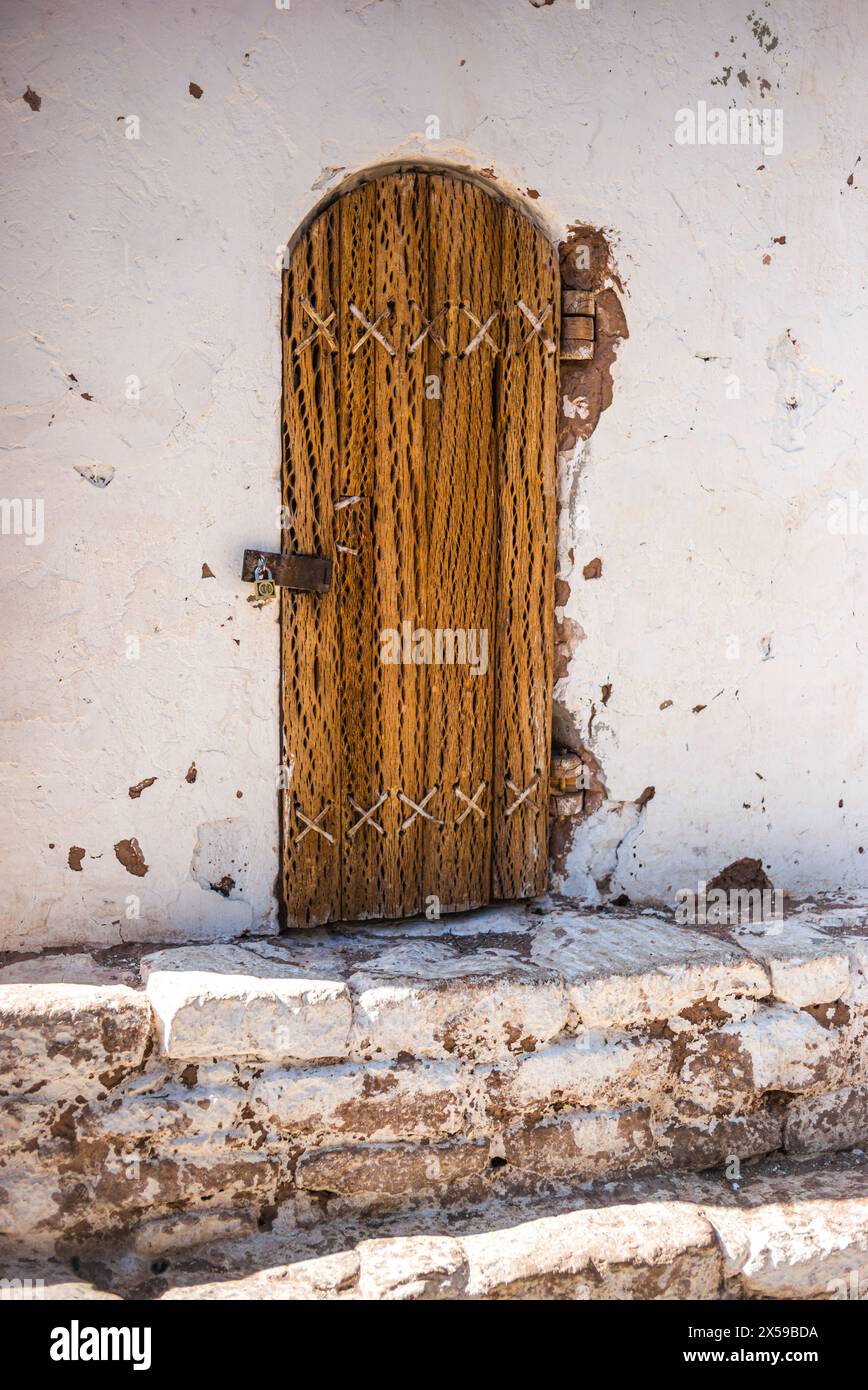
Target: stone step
[(364, 1070), (786, 1230)]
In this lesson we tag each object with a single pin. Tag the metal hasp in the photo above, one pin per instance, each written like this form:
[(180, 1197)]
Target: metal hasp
[(310, 573)]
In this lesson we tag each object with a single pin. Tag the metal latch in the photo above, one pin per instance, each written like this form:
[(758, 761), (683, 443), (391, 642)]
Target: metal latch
[(577, 326), (567, 773), (310, 573)]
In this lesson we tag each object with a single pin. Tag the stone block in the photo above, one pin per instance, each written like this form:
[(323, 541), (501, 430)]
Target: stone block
[(328, 1277), (656, 1250), (589, 1144), (624, 971), (468, 1016), (204, 1015), (597, 1069), (714, 1140), (60, 1039), (389, 1170), (378, 1102), (804, 966), (778, 1049), (834, 1120), (778, 1247), (412, 1268)]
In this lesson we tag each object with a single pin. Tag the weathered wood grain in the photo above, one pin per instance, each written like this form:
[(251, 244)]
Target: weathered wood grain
[(399, 530), (364, 872), (464, 270), (309, 623), (437, 508), (527, 424)]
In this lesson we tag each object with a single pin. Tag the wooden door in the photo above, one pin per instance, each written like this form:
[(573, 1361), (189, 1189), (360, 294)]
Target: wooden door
[(420, 318)]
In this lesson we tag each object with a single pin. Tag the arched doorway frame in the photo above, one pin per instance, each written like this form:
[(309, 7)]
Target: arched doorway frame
[(518, 782)]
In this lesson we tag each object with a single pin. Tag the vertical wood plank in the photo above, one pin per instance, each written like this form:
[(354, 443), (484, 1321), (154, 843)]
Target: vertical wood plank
[(464, 270), (526, 552), (310, 694), (399, 537), (361, 852)]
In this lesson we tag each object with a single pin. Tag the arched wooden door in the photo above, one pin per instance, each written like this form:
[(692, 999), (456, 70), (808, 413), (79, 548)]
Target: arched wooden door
[(420, 322)]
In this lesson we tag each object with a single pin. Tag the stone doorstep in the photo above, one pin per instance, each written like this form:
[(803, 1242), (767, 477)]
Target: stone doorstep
[(802, 963), (787, 1230), (493, 984), (505, 982), (516, 984)]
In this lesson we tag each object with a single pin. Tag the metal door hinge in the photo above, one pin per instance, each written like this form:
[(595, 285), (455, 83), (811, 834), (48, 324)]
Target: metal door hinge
[(577, 326), (567, 773)]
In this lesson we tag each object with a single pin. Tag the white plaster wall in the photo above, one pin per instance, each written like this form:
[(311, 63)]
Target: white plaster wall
[(156, 258)]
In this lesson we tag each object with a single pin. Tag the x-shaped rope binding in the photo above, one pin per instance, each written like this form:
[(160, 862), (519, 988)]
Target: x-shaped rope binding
[(472, 803), (418, 809), (322, 327), (520, 796), (537, 325), (482, 335), (314, 824), (365, 815), (372, 330), (429, 330)]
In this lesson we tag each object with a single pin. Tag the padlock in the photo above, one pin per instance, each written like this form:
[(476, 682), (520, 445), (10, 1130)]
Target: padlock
[(263, 582)]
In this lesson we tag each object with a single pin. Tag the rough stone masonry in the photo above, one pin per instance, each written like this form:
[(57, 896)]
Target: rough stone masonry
[(182, 1095)]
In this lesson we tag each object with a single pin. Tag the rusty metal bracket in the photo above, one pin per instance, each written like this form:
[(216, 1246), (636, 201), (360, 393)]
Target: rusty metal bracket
[(577, 326), (309, 573)]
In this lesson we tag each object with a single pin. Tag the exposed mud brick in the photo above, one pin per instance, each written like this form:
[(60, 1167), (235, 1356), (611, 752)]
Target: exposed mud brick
[(382, 1102), (622, 971), (604, 1070), (668, 1252), (714, 1140), (821, 1124), (816, 1247), (202, 1015), (778, 1049), (476, 1017), (804, 966), (412, 1268), (389, 1170), (57, 1037), (746, 874), (835, 1015), (594, 1144)]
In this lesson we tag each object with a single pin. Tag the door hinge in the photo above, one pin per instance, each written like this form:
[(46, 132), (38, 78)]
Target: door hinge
[(310, 573), (577, 326), (567, 773)]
